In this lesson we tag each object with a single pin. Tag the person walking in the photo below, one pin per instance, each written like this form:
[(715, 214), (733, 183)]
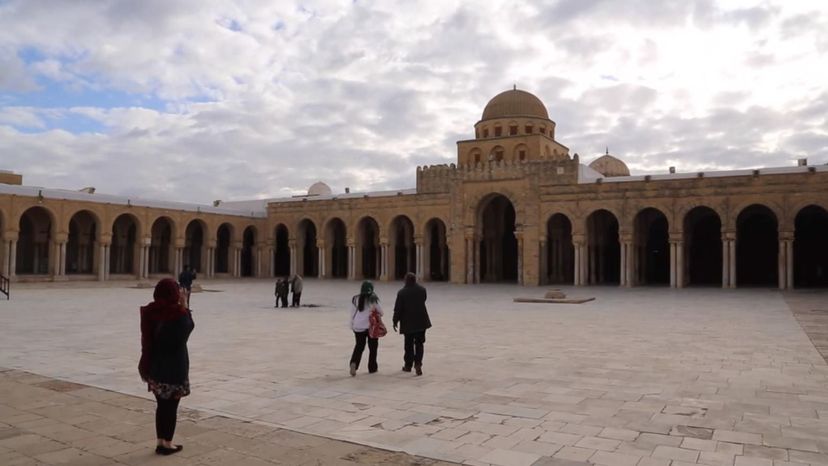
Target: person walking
[(411, 315), (166, 324), (296, 288), (185, 281), (276, 291), (362, 305), (282, 287)]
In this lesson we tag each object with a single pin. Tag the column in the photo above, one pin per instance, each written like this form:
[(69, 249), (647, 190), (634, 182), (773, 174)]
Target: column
[(12, 258), (108, 253), (101, 262), (577, 272), (781, 265), (351, 262), (732, 263), (383, 272), (543, 261), (418, 254), (272, 261), (292, 245), (725, 263), (631, 260), (4, 267), (790, 265), (680, 264), (320, 255), (623, 274), (520, 259), (61, 256), (177, 263), (469, 259), (672, 264), (146, 249), (140, 273)]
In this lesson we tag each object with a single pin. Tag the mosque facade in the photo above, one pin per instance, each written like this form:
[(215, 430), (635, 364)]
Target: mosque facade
[(516, 207)]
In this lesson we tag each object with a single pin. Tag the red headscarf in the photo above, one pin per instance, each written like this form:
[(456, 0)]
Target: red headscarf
[(165, 306)]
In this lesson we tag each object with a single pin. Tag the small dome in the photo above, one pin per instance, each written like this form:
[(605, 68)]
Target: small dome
[(609, 166), (319, 189), (515, 103)]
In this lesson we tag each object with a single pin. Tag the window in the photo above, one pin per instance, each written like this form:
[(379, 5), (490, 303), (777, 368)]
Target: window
[(498, 131), (513, 131), (499, 155), (528, 129), (485, 132), (522, 155), (476, 158), (542, 130), (476, 133)]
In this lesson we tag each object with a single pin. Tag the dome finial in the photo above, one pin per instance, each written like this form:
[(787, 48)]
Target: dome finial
[(514, 87), (607, 153)]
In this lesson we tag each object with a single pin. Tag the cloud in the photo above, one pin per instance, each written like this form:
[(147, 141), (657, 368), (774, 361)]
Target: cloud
[(201, 100)]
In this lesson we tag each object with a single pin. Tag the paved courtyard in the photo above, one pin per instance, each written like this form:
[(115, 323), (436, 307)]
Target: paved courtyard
[(637, 377)]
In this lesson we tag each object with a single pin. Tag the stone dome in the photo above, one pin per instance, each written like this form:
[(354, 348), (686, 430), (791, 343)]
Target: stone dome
[(609, 166), (515, 103), (319, 189)]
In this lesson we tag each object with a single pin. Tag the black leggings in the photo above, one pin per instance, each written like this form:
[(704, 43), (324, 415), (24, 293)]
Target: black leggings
[(359, 347), (165, 414)]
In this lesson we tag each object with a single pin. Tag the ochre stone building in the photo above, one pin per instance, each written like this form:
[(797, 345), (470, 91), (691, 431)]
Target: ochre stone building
[(515, 207)]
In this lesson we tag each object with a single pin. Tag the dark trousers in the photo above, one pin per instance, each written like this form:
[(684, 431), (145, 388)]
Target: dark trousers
[(296, 297), (359, 347), (414, 349), (283, 299), (165, 413)]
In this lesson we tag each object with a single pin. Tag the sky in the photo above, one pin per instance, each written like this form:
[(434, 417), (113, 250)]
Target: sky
[(198, 100)]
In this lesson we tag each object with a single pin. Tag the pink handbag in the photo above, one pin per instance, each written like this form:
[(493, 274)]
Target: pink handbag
[(376, 329)]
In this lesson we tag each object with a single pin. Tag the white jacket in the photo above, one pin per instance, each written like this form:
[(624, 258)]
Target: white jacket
[(359, 319)]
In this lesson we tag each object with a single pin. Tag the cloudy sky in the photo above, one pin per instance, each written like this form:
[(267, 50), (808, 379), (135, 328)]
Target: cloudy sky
[(206, 99)]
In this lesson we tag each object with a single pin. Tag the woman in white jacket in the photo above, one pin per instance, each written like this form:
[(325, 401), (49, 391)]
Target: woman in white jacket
[(362, 305)]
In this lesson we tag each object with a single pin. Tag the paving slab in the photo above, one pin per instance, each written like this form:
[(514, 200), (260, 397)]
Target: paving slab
[(634, 373)]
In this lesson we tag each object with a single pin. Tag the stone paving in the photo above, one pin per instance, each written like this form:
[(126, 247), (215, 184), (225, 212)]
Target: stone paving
[(636, 377), (48, 421)]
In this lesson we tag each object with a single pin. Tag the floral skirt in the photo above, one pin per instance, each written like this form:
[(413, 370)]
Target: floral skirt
[(168, 391)]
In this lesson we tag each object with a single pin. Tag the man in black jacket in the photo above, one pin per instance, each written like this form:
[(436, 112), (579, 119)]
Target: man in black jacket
[(185, 281), (411, 314)]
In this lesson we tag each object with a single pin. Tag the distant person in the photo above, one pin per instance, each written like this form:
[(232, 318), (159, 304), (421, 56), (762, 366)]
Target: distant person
[(276, 290), (411, 314), (185, 280), (362, 305), (296, 289), (166, 324), (282, 287)]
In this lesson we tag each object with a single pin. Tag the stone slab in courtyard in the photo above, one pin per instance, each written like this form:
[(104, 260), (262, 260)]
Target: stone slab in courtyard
[(638, 376)]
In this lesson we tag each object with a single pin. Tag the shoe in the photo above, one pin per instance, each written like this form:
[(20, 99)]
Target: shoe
[(406, 369), (373, 371), (353, 369), (159, 450), (418, 370)]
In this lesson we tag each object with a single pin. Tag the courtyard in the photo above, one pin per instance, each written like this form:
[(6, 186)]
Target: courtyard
[(642, 376)]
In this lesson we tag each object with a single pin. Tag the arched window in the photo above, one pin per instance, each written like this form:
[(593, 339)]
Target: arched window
[(498, 131), (528, 129)]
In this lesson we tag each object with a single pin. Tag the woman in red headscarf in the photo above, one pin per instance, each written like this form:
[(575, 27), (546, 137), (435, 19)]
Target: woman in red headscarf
[(166, 324)]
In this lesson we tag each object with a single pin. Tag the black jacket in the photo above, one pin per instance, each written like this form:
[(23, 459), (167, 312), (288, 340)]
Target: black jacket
[(170, 359), (186, 278), (410, 309)]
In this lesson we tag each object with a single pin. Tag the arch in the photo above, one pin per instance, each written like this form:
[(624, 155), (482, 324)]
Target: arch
[(194, 251), (224, 242), (368, 248), (436, 259), (651, 246), (560, 250), (34, 243), (809, 248), (757, 246), (497, 154), (281, 251), (161, 252), (307, 266), (336, 249), (520, 153), (498, 244), (123, 253), (603, 248), (703, 246), (402, 250), (248, 257), (81, 243), (475, 155)]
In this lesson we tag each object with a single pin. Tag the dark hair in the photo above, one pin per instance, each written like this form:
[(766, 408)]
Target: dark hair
[(359, 300), (410, 279)]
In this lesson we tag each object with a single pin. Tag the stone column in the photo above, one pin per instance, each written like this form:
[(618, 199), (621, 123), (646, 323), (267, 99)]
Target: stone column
[(383, 271), (107, 259), (418, 255), (179, 255), (272, 261), (680, 264), (292, 246), (781, 265), (101, 262), (12, 258), (732, 262), (145, 251), (576, 279), (790, 266), (351, 261), (469, 258), (725, 262), (543, 269), (321, 259), (519, 238)]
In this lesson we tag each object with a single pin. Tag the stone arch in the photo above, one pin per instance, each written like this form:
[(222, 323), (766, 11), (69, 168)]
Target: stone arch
[(475, 156), (36, 231), (520, 153), (336, 248), (125, 248), (436, 259), (603, 258), (402, 257), (281, 251), (702, 228), (497, 154), (162, 250), (498, 248), (757, 246), (559, 257), (307, 262), (810, 248), (82, 242), (736, 210), (195, 236), (368, 248), (247, 261), (651, 248), (225, 236)]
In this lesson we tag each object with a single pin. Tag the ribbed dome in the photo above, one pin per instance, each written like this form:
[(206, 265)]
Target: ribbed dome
[(319, 189), (609, 166), (515, 103)]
